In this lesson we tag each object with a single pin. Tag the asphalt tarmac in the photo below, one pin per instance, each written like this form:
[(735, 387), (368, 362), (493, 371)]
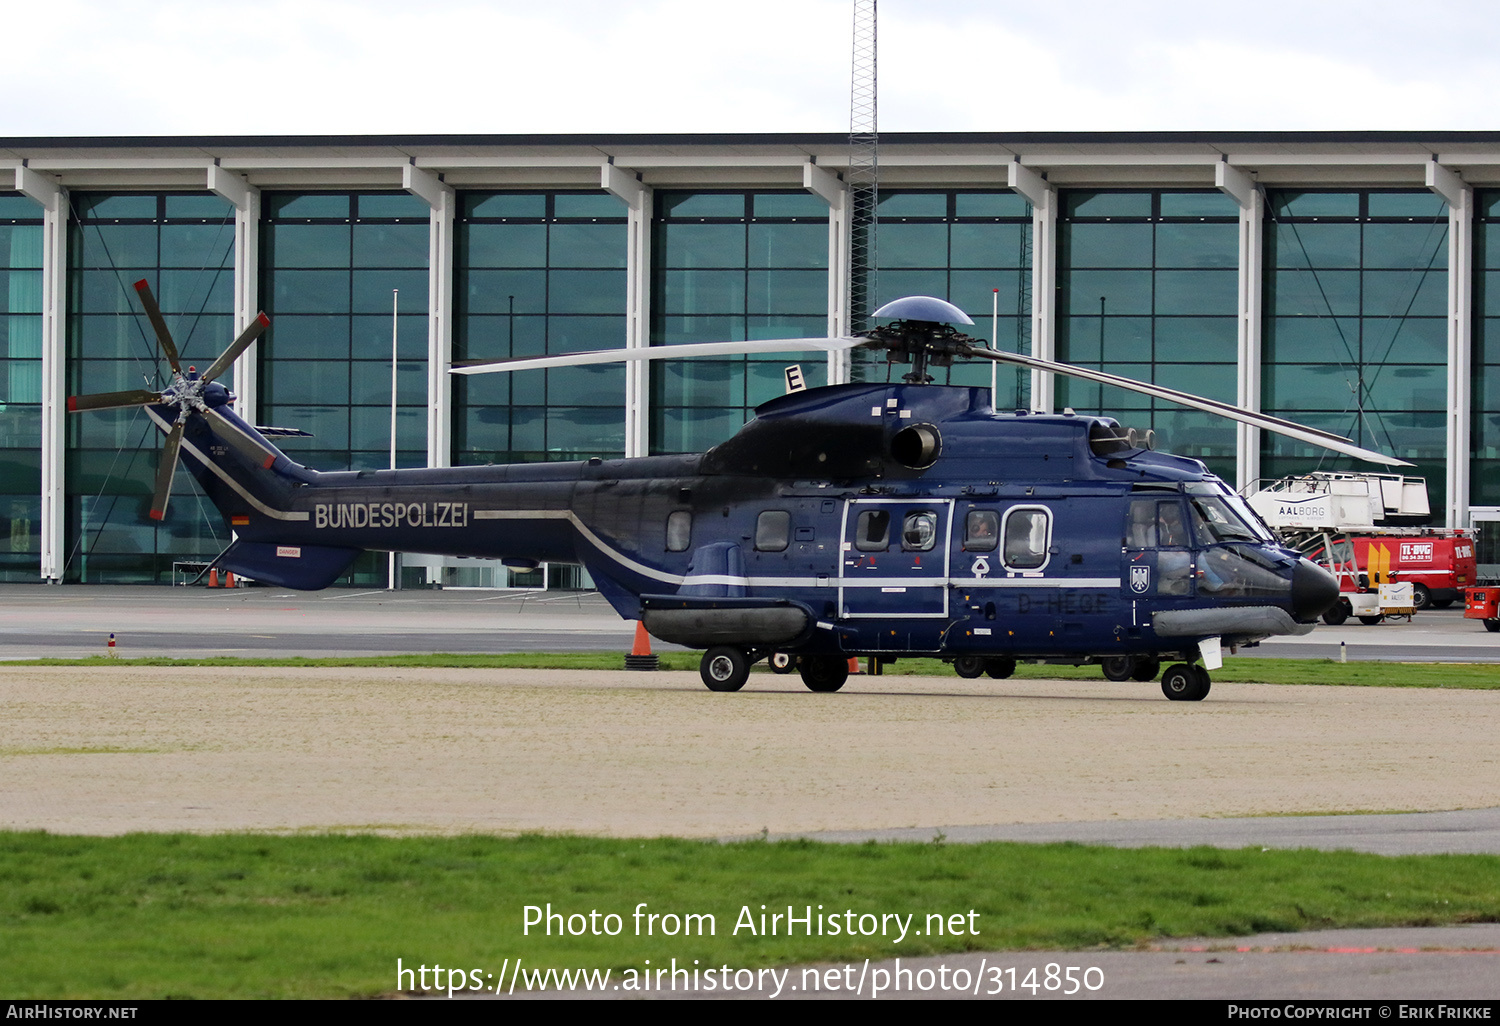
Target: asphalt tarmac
[(69, 621)]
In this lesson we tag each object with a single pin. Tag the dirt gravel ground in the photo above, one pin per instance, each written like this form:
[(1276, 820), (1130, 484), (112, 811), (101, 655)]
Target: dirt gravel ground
[(121, 749)]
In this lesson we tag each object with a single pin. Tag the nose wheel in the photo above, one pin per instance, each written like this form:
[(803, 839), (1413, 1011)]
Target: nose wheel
[(1185, 683)]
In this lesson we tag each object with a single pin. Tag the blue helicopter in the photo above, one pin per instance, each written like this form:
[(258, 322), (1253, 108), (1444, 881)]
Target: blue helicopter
[(854, 520)]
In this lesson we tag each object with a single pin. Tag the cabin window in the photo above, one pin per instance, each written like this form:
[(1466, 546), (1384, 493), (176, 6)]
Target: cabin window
[(773, 529), (873, 531), (679, 530), (981, 530), (1026, 537), (919, 532)]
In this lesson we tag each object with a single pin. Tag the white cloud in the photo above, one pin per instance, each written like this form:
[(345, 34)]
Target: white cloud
[(378, 66)]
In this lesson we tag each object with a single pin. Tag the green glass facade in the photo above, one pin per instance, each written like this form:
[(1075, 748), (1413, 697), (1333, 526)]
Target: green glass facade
[(1352, 299), (1356, 300), (539, 273), (974, 250), (729, 266), (336, 268), (1484, 466), (183, 245), (1147, 287), (20, 388)]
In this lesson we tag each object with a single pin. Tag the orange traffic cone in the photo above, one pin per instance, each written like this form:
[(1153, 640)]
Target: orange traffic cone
[(640, 657), (229, 578), (854, 665), (213, 577)]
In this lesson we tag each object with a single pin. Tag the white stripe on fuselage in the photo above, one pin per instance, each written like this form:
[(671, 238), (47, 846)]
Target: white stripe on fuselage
[(743, 581), (222, 476)]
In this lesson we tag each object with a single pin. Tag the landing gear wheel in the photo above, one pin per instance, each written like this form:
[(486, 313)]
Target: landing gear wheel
[(1204, 683), (1184, 683), (724, 668), (1492, 625), (1370, 621), (1421, 597), (1146, 669), (969, 666), (999, 668), (1336, 614), (823, 673), (782, 662), (1117, 668)]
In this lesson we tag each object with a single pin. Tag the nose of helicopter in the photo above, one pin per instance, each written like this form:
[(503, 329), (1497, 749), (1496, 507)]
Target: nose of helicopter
[(1313, 590)]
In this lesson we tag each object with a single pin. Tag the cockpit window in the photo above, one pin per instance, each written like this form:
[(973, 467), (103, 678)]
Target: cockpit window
[(1156, 523), (1231, 509), (1214, 520)]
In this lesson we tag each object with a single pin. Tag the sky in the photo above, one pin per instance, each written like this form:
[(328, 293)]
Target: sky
[(315, 67)]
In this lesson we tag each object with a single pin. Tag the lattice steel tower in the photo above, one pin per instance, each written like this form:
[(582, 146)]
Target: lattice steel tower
[(864, 168)]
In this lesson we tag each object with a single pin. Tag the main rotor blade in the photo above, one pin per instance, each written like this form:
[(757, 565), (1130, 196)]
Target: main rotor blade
[(112, 400), (764, 345), (153, 313), (247, 447), (1301, 432), (238, 346), (165, 471)]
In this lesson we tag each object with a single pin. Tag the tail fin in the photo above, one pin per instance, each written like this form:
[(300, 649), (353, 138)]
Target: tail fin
[(252, 483), (242, 473)]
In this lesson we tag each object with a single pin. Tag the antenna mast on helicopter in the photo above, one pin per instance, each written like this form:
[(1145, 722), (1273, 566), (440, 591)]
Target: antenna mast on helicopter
[(864, 167)]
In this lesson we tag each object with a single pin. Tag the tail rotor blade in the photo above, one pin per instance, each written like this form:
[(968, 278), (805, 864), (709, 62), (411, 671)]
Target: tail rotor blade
[(153, 313), (112, 400), (165, 471), (254, 331)]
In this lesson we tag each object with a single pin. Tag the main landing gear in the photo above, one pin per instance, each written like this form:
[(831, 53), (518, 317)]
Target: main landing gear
[(971, 666), (726, 668), (1122, 668)]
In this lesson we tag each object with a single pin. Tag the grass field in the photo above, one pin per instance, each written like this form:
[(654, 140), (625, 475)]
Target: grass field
[(151, 916)]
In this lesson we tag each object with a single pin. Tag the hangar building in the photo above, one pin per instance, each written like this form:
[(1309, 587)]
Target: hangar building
[(1343, 279)]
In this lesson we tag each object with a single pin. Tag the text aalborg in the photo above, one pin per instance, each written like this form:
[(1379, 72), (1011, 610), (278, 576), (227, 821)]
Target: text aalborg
[(766, 922)]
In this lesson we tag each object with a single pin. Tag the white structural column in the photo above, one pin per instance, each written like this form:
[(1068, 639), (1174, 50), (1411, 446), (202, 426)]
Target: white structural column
[(1043, 200), (45, 190), (246, 199), (830, 188), (1241, 187), (440, 198), (627, 186), (1460, 198)]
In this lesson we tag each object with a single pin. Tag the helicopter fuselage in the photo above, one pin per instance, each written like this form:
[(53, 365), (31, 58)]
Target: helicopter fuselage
[(854, 519)]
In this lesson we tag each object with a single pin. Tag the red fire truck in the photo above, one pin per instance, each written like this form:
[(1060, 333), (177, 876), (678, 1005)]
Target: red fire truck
[(1483, 604)]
